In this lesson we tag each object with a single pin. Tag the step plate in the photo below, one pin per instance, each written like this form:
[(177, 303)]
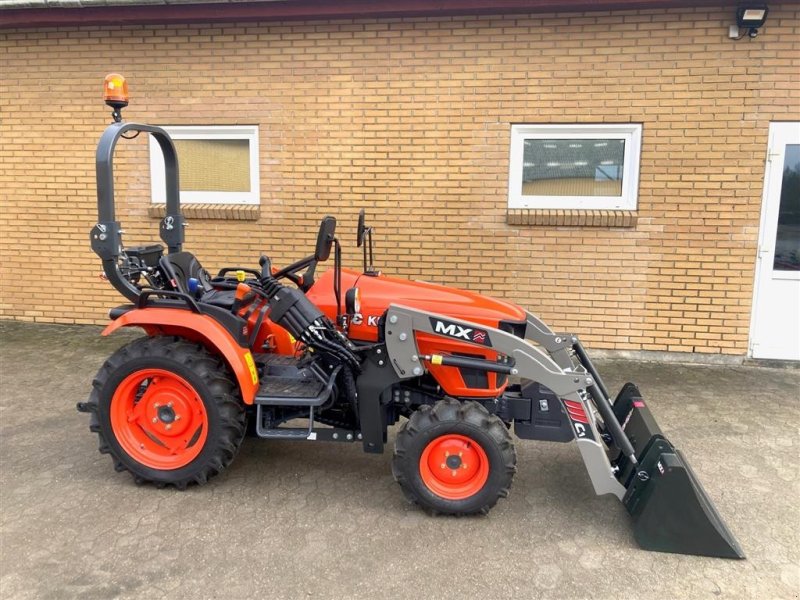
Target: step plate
[(289, 387), (279, 360)]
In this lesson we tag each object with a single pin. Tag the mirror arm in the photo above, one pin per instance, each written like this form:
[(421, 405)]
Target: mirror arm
[(337, 279), (371, 257), (364, 247)]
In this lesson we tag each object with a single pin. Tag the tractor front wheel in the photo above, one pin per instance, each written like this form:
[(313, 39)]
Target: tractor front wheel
[(168, 411), (454, 458)]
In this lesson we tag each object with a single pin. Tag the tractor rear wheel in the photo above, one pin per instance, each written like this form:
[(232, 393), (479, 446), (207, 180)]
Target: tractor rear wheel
[(168, 411), (454, 458)]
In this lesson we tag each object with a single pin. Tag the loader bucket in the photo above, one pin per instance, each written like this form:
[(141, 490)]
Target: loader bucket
[(670, 509)]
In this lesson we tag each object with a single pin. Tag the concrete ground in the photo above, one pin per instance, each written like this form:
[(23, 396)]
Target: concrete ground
[(305, 520)]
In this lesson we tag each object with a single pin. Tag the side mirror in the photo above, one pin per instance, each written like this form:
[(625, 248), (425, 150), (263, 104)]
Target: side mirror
[(327, 229), (361, 229)]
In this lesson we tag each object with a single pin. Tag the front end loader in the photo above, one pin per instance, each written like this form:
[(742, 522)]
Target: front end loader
[(564, 398), (347, 355)]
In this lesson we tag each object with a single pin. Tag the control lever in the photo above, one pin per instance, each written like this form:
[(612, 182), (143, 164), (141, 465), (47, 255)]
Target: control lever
[(266, 266)]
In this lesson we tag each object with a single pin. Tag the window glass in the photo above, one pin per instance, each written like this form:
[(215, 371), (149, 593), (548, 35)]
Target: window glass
[(787, 238), (214, 165), (573, 167)]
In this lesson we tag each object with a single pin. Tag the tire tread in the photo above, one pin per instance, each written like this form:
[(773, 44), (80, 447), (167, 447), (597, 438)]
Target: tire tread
[(452, 411), (211, 370)]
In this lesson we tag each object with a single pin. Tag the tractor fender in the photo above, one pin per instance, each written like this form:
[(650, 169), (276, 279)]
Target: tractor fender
[(199, 328)]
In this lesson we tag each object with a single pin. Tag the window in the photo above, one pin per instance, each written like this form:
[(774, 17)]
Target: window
[(218, 165), (574, 166), (787, 236)]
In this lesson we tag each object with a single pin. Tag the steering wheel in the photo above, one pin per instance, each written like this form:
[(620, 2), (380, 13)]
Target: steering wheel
[(290, 272), (325, 239)]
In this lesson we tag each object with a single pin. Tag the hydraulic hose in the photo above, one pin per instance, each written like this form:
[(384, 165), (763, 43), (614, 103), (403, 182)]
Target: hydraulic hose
[(290, 309)]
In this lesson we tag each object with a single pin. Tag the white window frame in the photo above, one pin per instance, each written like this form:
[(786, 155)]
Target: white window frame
[(630, 132), (206, 132)]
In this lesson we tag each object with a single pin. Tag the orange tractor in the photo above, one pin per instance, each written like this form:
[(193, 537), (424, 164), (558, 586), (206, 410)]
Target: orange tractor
[(348, 354)]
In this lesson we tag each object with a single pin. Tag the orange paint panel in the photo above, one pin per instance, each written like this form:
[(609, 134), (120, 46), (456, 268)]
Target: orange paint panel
[(274, 338), (197, 327), (377, 293), (270, 337), (450, 377)]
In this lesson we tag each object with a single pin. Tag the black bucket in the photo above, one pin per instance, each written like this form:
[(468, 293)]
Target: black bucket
[(670, 509)]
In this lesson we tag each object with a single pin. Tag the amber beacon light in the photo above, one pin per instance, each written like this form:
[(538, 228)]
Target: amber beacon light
[(115, 93)]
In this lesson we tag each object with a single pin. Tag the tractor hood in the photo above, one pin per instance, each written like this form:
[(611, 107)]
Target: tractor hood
[(378, 292)]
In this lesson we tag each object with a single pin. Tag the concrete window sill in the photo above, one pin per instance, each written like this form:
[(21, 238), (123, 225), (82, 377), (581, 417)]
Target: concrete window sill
[(234, 212), (572, 218)]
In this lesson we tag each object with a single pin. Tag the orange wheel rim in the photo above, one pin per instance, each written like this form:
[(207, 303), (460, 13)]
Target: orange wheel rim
[(159, 419), (454, 467)]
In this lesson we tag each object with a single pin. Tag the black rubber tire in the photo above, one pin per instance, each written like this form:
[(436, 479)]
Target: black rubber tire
[(212, 380), (469, 419)]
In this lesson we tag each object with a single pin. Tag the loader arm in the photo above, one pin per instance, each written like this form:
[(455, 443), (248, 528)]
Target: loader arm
[(624, 451), (569, 383)]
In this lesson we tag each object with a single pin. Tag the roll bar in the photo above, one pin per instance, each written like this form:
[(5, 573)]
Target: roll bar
[(106, 235)]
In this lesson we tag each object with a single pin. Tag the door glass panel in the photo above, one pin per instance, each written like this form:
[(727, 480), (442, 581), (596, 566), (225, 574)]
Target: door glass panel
[(787, 239)]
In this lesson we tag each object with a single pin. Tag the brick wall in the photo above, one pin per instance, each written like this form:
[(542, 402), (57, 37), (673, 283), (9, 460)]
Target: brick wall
[(411, 119)]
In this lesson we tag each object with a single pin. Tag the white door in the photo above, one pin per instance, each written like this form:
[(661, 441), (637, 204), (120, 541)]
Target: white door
[(775, 323)]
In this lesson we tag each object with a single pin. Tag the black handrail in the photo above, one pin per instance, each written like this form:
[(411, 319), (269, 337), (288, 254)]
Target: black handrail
[(106, 235), (190, 302), (255, 273)]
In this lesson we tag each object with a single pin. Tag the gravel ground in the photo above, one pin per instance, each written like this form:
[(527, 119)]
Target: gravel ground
[(300, 520)]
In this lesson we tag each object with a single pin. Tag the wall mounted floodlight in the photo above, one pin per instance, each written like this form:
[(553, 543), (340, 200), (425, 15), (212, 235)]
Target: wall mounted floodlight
[(749, 17)]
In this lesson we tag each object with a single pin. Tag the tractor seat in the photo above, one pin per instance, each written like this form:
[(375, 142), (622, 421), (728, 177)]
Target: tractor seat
[(221, 298), (182, 266)]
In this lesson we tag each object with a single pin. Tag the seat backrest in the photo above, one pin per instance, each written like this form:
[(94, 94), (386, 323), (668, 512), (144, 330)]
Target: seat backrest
[(180, 267)]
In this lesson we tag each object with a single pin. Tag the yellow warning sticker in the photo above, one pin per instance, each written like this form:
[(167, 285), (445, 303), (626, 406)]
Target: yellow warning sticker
[(248, 358)]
